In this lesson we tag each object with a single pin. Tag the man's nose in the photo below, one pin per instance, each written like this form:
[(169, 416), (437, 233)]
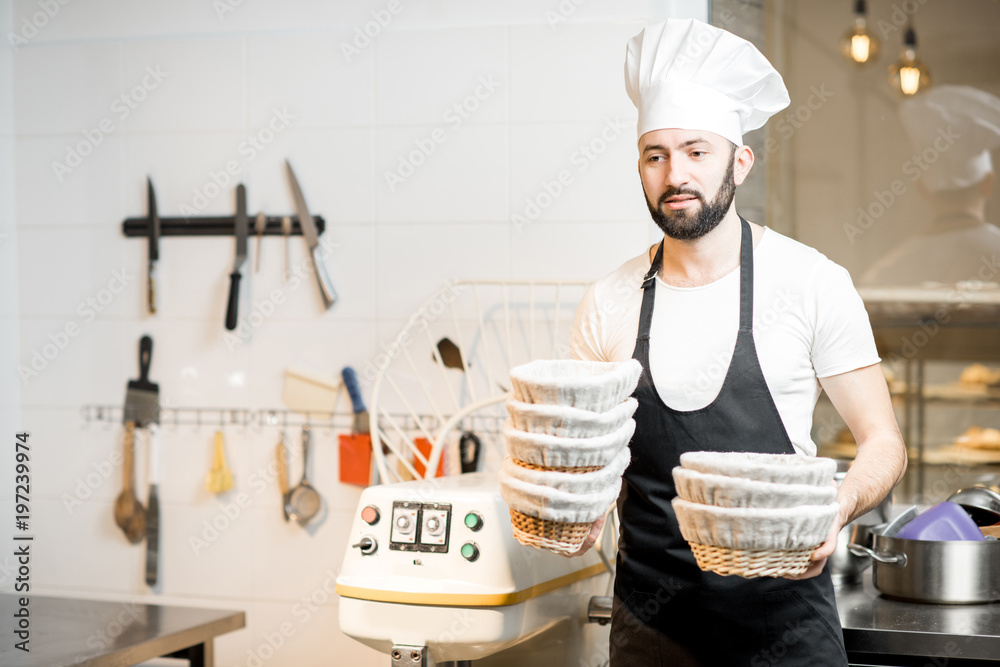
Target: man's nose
[(677, 174)]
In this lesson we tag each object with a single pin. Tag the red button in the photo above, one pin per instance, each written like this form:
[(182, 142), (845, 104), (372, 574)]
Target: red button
[(370, 515)]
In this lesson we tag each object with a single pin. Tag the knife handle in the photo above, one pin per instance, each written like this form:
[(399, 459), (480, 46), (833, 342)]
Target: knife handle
[(325, 284), (151, 291), (353, 389), (234, 298)]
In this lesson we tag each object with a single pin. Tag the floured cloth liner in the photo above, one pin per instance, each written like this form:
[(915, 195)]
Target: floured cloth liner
[(597, 386), (553, 451), (570, 482), (752, 528), (723, 491), (778, 468), (566, 421), (562, 496)]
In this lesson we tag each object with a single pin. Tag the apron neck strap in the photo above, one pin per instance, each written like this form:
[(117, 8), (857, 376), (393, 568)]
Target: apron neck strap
[(746, 278), (654, 268), (746, 274)]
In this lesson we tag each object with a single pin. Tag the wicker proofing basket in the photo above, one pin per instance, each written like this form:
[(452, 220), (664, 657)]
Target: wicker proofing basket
[(555, 536), (751, 563)]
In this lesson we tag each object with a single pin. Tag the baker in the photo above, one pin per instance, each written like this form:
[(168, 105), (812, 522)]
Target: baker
[(952, 130), (738, 329)]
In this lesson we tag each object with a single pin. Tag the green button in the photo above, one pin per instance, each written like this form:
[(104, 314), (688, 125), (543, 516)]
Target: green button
[(469, 551), (473, 521)]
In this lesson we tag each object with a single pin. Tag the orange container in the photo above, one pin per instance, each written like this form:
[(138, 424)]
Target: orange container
[(355, 459), (424, 447)]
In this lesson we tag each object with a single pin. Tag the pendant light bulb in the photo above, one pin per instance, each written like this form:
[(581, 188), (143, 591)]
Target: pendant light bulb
[(909, 75), (858, 45)]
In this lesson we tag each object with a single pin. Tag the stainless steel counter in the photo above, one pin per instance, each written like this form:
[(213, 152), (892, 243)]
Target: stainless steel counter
[(880, 631), (66, 631)]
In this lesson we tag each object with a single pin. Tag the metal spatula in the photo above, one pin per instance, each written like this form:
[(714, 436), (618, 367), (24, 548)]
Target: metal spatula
[(142, 397)]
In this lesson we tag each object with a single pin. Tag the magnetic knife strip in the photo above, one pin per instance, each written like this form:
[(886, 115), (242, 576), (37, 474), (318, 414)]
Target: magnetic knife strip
[(211, 226)]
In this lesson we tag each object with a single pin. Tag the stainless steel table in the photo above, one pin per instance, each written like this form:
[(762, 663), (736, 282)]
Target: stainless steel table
[(880, 631), (96, 633)]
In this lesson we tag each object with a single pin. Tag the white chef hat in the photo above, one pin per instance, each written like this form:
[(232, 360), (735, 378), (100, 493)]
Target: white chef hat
[(956, 126), (683, 73)]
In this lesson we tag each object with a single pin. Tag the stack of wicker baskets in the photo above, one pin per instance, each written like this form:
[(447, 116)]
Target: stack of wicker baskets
[(754, 515), (567, 447)]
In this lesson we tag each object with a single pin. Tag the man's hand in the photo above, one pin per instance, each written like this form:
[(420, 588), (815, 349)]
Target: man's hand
[(822, 552), (595, 531)]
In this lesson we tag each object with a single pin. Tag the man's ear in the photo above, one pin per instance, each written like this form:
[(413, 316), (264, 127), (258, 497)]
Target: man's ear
[(742, 162)]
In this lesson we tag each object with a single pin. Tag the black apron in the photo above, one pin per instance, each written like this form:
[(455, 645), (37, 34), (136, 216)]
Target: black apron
[(666, 610)]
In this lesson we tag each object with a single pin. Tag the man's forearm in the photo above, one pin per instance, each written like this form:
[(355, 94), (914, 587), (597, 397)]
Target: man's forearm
[(877, 468)]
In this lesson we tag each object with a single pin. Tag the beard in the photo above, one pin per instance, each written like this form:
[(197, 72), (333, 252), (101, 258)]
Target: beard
[(688, 224)]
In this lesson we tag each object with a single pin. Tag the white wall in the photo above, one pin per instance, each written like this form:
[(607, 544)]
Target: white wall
[(558, 87), (10, 390)]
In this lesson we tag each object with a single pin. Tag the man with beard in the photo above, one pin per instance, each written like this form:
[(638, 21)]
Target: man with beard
[(738, 329)]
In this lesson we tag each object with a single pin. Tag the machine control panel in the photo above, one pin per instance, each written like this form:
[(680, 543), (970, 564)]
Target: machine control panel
[(420, 526)]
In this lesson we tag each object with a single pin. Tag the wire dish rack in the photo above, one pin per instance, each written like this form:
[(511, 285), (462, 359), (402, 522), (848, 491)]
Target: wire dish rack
[(447, 372)]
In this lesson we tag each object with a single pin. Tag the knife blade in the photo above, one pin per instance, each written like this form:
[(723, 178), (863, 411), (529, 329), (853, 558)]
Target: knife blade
[(154, 247), (241, 231), (312, 239)]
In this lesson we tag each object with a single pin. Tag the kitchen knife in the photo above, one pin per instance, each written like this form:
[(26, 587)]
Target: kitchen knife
[(312, 239), (259, 226), (241, 231), (153, 507), (154, 246)]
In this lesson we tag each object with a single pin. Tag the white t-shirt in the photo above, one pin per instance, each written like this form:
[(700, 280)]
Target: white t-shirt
[(808, 323)]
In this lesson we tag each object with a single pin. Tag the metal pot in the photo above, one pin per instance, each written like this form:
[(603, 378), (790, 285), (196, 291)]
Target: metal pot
[(930, 571), (982, 504)]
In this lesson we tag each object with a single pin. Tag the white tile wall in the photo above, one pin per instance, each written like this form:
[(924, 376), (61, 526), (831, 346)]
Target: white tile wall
[(66, 88), (553, 79), (433, 173), (254, 86), (332, 165), (424, 257), (421, 76), (184, 85), (57, 186), (312, 77), (575, 171)]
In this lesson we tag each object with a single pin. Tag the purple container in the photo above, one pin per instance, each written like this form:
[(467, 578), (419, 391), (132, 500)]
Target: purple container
[(945, 522)]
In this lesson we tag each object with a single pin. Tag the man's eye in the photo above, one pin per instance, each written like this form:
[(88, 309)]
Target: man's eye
[(656, 158), (697, 153)]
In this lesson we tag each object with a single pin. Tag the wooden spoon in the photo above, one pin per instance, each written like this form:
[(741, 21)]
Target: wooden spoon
[(130, 515), (125, 502)]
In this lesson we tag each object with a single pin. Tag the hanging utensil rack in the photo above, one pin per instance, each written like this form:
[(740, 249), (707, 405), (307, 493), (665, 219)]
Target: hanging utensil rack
[(256, 419)]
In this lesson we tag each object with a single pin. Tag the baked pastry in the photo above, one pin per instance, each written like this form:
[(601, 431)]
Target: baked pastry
[(978, 374), (976, 437)]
